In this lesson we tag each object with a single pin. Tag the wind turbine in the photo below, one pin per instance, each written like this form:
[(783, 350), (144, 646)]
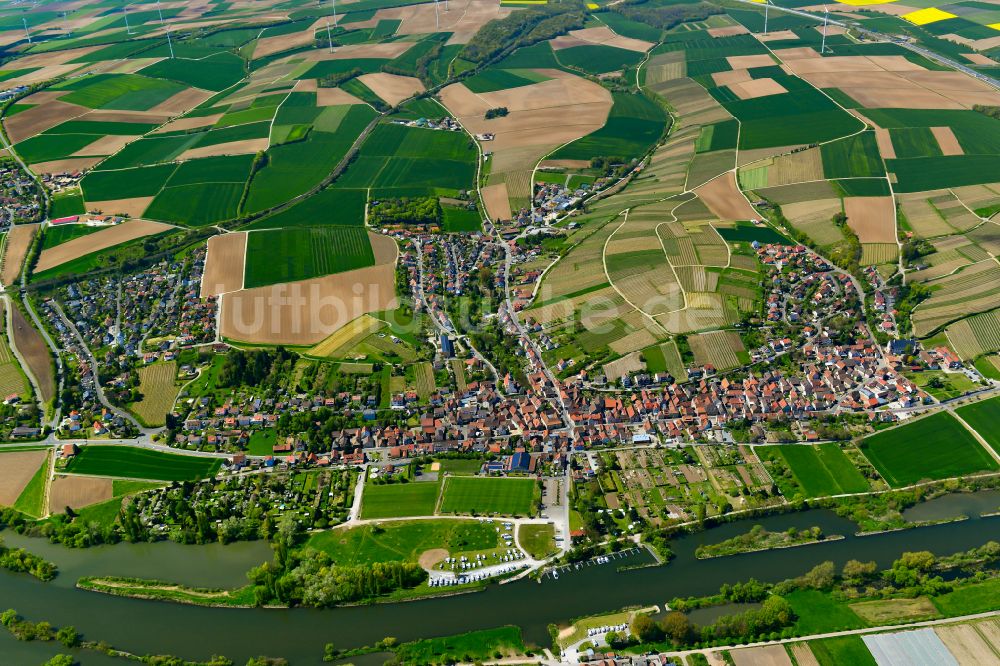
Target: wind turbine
[(159, 11), (329, 38), (826, 18), (437, 16), (766, 3), (170, 44), (125, 12), (334, 3), (27, 34)]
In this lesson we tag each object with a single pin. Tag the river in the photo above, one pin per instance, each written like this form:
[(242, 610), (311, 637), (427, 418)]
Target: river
[(300, 634)]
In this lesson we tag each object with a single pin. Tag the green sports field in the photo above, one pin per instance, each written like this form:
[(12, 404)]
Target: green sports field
[(399, 500), (984, 417), (508, 497), (820, 470), (136, 463), (935, 447)]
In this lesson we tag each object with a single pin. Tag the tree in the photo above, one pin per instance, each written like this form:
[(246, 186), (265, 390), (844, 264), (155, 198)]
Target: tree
[(68, 636), (61, 660), (677, 627), (645, 629), (856, 573), (614, 639), (820, 577)]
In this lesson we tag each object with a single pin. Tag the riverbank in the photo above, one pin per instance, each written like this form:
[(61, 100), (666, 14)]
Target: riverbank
[(759, 539)]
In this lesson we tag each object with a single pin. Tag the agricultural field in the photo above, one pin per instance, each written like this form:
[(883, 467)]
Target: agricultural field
[(816, 470), (276, 256), (134, 463), (488, 496), (21, 471), (983, 417), (934, 447)]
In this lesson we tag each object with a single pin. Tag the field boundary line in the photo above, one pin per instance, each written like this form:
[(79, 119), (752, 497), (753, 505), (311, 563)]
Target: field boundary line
[(975, 433)]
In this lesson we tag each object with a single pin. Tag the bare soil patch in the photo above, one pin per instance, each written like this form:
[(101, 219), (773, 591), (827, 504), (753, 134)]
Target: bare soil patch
[(796, 53), (979, 59), (884, 142), (392, 87), (748, 61), (306, 312), (946, 140), (605, 36), (429, 558), (724, 198), (55, 57), (767, 655), (564, 164), (728, 31), (77, 492), (872, 218), (731, 76), (16, 247), (966, 645), (388, 50), (193, 122), (497, 202), (384, 249), (69, 164), (463, 18), (106, 145), (224, 264), (278, 43), (133, 207), (39, 118), (18, 468), (100, 240), (335, 97), (182, 102), (244, 147), (32, 347), (777, 36), (757, 88), (803, 654)]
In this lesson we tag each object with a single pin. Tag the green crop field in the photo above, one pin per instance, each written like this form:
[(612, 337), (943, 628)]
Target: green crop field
[(854, 157), (820, 470), (927, 173), (598, 59), (196, 205), (293, 168), (216, 72), (508, 497), (48, 147), (719, 136), (633, 126), (404, 541), (136, 463), (126, 92), (842, 650), (342, 207), (461, 219), (66, 204), (493, 79), (984, 417), (223, 169), (150, 150), (126, 183), (286, 255), (399, 500), (390, 140), (914, 142), (67, 232), (935, 447)]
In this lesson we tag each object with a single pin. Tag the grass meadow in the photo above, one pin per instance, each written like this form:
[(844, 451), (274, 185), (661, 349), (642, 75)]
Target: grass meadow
[(403, 541)]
